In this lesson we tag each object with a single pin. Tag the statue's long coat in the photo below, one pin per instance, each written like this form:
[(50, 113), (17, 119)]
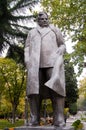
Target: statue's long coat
[(32, 60)]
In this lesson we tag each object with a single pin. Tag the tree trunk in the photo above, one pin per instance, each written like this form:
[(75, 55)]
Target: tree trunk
[(13, 113)]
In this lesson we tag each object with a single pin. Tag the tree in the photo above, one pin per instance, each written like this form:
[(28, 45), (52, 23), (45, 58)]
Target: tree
[(70, 16), (71, 83), (14, 79), (12, 13), (5, 109), (2, 83), (82, 87), (82, 94)]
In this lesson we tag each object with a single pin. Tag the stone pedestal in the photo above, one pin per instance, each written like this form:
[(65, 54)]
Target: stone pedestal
[(44, 128)]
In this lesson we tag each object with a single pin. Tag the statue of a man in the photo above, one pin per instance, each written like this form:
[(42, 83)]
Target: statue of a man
[(44, 50)]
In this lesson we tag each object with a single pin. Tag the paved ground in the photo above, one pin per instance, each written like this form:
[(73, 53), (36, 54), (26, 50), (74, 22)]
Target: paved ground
[(71, 120)]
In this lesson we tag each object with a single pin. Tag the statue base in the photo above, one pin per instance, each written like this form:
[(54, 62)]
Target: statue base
[(44, 128)]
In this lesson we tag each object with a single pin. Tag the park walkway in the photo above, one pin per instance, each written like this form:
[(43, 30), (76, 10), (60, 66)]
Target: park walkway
[(71, 119)]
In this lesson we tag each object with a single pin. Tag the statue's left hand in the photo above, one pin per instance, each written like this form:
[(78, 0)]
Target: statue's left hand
[(61, 50)]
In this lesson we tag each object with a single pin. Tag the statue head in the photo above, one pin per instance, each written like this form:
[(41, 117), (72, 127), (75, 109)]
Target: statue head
[(43, 19)]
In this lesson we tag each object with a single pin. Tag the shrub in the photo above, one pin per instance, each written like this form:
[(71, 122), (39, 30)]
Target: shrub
[(77, 125), (73, 109)]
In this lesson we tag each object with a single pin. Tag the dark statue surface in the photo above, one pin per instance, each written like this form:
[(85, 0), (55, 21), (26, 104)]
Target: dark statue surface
[(44, 50)]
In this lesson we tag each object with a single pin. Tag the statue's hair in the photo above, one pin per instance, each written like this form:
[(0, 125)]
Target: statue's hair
[(42, 13)]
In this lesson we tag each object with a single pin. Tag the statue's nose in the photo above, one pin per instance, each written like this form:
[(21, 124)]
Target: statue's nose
[(44, 20)]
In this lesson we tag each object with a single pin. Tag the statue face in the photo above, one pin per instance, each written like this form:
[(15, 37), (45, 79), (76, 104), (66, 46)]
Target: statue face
[(43, 20)]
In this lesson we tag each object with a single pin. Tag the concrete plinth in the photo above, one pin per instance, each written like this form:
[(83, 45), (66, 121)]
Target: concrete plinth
[(43, 128)]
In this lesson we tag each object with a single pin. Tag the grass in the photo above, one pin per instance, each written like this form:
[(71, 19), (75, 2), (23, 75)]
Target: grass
[(6, 124)]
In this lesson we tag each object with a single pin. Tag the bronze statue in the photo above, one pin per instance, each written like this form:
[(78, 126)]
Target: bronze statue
[(44, 50)]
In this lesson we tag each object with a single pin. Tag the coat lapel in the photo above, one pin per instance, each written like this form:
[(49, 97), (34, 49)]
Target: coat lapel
[(43, 31)]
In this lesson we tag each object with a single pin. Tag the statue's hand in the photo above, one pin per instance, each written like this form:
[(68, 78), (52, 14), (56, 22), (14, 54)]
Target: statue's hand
[(61, 50)]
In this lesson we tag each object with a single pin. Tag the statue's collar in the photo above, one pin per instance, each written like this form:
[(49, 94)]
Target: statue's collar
[(43, 30)]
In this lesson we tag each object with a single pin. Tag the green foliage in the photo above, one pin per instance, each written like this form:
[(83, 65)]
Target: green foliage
[(71, 82), (81, 103), (78, 55), (6, 124), (82, 94), (70, 16), (1, 86), (14, 81), (5, 108), (77, 125), (46, 107), (82, 87), (73, 108), (67, 14), (13, 75)]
